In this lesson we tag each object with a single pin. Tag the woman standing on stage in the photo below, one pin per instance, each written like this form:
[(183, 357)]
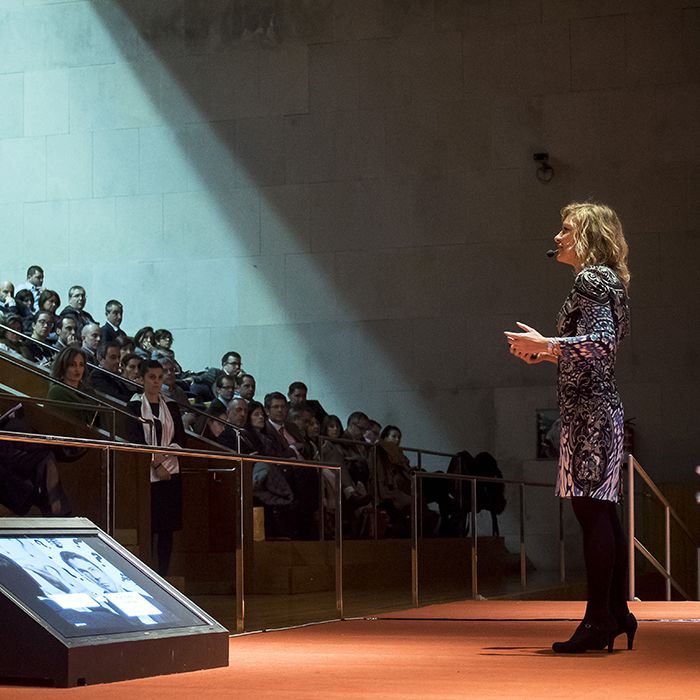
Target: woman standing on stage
[(590, 325)]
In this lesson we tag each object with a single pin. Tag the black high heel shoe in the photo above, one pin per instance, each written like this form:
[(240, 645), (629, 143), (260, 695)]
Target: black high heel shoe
[(627, 625), (587, 637)]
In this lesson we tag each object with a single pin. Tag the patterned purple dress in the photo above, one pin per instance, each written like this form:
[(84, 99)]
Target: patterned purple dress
[(590, 325)]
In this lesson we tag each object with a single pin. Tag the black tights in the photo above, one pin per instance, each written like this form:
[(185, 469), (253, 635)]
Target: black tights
[(605, 554), (164, 549)]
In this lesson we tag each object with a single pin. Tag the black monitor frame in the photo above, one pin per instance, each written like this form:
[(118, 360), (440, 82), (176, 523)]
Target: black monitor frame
[(81, 527)]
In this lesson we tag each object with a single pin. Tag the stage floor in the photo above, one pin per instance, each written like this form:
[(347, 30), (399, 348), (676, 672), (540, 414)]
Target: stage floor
[(470, 649)]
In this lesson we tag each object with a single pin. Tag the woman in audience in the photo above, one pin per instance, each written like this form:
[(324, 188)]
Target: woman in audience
[(161, 426), (126, 346), (131, 368), (49, 301), (394, 481), (216, 423), (69, 368), (9, 341), (163, 341), (23, 308), (144, 342), (256, 425)]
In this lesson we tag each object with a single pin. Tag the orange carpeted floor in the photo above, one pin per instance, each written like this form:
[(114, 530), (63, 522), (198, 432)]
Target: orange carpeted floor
[(473, 649)]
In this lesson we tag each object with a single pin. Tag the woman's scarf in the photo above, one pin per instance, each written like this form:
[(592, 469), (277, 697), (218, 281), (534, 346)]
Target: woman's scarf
[(166, 440)]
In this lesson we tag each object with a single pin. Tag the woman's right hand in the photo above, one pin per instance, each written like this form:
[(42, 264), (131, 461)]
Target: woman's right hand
[(162, 473)]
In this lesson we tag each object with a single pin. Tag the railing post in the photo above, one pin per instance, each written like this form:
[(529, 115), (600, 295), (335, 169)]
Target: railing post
[(667, 544), (240, 555), (414, 540), (630, 527), (523, 558), (475, 580), (375, 491), (339, 593), (109, 493)]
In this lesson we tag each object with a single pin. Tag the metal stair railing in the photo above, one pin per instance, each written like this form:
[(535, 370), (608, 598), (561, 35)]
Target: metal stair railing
[(238, 460), (633, 467)]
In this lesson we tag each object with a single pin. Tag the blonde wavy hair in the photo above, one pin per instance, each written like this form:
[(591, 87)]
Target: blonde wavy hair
[(599, 237)]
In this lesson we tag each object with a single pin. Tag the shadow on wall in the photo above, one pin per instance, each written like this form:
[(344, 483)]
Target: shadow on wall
[(340, 236)]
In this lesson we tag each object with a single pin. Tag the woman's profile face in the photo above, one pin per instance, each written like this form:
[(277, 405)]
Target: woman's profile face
[(75, 370), (50, 305), (147, 341), (257, 418), (566, 242), (314, 428), (393, 436)]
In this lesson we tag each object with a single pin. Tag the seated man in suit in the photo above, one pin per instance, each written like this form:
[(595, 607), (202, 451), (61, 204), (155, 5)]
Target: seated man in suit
[(245, 386), (225, 386), (297, 394), (106, 379), (111, 330), (39, 352), (90, 334), (67, 332), (7, 297), (202, 387), (76, 307)]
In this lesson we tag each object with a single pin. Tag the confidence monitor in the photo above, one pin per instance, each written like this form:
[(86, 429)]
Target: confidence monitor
[(76, 608)]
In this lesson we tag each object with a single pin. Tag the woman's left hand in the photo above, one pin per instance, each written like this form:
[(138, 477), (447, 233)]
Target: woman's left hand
[(530, 342)]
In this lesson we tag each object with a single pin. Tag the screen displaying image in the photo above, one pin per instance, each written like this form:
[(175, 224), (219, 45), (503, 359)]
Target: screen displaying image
[(83, 587)]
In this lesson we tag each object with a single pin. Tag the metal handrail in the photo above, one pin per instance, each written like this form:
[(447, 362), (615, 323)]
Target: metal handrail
[(416, 489), (138, 388), (634, 544), (109, 446)]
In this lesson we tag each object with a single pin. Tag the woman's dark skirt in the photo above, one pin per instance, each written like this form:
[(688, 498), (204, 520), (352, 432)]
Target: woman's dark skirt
[(166, 505)]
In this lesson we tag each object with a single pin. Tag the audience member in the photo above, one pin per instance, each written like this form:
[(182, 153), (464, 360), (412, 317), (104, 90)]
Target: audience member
[(131, 368), (256, 426), (106, 380), (356, 477), (49, 301), (297, 393), (23, 308), (225, 387), (7, 297), (66, 332), (372, 433), (236, 438), (215, 422), (144, 341), (202, 387), (277, 428), (69, 368), (77, 298), (245, 386), (111, 329), (29, 474), (39, 352), (35, 280), (90, 334), (394, 482), (126, 346), (161, 426), (10, 342)]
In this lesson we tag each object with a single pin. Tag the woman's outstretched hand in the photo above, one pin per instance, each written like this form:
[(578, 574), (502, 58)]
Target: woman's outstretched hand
[(530, 346)]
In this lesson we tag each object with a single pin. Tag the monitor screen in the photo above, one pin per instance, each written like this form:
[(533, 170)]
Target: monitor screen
[(82, 586)]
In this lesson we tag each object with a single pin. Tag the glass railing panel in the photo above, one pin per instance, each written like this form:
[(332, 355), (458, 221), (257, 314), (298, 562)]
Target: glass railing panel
[(291, 545)]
